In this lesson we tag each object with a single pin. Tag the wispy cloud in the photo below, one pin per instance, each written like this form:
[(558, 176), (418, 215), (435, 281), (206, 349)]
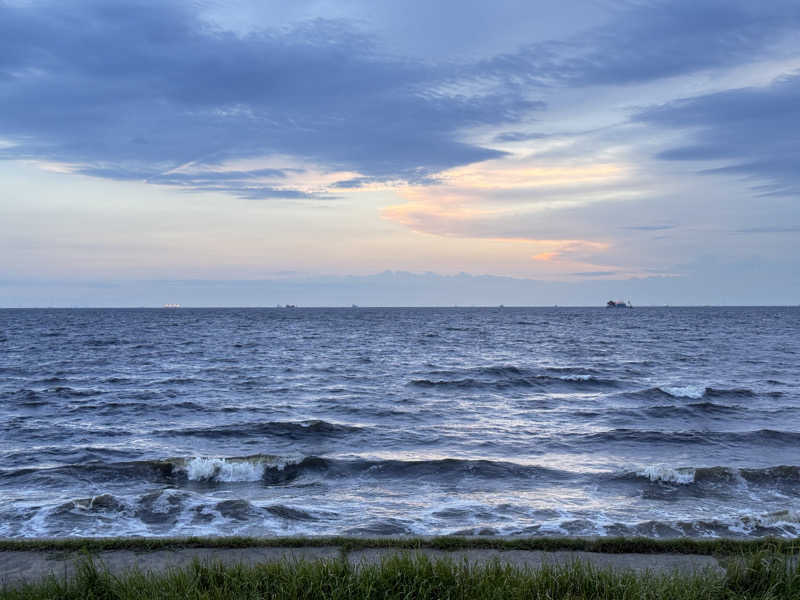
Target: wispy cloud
[(751, 131), (519, 136), (770, 230), (653, 39), (649, 227), (595, 273), (134, 90)]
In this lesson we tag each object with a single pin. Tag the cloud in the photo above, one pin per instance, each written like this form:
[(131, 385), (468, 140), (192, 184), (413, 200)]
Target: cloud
[(770, 230), (266, 192), (570, 251), (595, 273), (509, 199), (654, 39), (353, 183), (660, 39), (201, 178), (519, 136), (649, 227), (147, 87), (751, 131), (136, 89)]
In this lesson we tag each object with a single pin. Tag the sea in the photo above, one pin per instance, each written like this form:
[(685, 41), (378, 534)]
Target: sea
[(660, 422)]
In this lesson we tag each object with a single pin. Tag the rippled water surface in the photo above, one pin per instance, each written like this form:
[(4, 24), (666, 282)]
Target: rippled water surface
[(653, 421)]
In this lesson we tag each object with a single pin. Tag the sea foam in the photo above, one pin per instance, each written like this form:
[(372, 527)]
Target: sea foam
[(667, 474), (227, 470), (685, 391)]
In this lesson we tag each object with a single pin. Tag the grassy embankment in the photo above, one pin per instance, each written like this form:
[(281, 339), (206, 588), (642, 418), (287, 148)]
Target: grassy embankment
[(761, 575), (611, 545)]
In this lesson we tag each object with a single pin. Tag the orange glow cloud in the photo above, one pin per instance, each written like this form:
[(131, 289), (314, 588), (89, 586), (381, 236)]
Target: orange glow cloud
[(464, 195), (499, 177), (568, 251)]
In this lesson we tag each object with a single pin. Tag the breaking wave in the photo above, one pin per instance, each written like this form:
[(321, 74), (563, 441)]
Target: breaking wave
[(779, 475), (281, 469), (696, 392), (667, 474), (231, 469)]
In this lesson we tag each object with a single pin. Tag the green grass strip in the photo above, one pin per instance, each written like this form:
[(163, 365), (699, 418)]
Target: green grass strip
[(762, 576), (612, 545)]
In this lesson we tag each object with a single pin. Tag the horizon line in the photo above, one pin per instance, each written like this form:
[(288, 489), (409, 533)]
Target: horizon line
[(398, 306)]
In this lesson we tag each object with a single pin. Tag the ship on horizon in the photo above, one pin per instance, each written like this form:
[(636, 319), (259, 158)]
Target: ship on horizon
[(619, 304)]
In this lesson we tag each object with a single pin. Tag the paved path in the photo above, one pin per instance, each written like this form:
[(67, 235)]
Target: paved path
[(16, 566)]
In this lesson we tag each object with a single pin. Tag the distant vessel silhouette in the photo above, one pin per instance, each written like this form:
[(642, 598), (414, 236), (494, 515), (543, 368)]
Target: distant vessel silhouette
[(619, 304)]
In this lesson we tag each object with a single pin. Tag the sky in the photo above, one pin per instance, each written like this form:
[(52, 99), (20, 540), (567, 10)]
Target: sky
[(329, 153)]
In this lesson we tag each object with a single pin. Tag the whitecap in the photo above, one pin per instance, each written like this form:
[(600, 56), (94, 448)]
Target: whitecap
[(220, 469), (667, 474), (251, 468), (685, 391)]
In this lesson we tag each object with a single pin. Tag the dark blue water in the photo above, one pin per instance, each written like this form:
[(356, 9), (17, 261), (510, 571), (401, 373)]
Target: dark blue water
[(653, 421)]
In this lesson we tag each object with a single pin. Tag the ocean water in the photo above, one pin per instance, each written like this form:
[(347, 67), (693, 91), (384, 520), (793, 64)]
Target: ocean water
[(663, 422)]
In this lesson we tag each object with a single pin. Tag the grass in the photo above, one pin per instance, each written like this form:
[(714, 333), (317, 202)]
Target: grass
[(612, 545), (763, 575)]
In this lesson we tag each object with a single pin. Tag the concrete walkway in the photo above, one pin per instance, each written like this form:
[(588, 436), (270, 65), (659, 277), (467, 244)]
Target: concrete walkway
[(18, 566)]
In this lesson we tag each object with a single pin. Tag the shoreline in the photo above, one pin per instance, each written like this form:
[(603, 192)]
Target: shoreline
[(604, 545)]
